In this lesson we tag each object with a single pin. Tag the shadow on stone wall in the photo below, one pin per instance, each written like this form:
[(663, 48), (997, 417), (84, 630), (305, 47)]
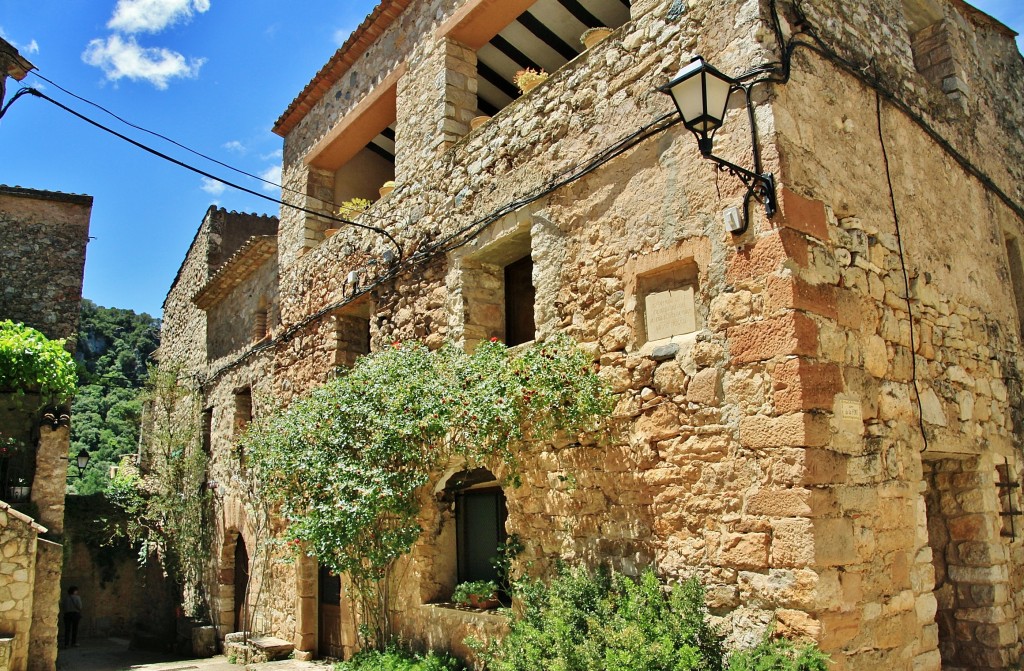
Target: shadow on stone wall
[(121, 598)]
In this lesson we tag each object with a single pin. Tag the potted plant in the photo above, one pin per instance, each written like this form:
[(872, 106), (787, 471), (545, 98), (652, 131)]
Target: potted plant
[(481, 594), (529, 79), (352, 208), (19, 491), (591, 37), (388, 187)]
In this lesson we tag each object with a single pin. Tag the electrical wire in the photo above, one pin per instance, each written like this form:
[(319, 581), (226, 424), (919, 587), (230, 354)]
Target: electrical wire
[(159, 154), (903, 267), (194, 151)]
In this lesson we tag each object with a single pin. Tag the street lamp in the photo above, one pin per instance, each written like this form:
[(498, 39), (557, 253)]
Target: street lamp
[(81, 462), (701, 94)]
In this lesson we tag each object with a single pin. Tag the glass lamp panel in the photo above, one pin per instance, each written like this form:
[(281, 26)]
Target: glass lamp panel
[(718, 97), (689, 99)]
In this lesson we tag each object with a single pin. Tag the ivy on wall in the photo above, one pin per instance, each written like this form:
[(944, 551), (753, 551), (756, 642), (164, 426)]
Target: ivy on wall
[(346, 463)]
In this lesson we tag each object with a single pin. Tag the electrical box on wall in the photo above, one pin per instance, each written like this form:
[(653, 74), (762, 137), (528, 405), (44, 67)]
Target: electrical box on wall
[(731, 216)]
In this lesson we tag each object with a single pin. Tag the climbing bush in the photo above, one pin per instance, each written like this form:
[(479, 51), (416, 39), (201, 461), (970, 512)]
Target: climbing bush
[(593, 621), (32, 363), (166, 504), (345, 463)]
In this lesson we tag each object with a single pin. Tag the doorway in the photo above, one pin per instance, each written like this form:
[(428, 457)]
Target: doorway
[(241, 585), (329, 629)]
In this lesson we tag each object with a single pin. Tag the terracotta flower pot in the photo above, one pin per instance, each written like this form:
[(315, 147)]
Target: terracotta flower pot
[(478, 121), (387, 188), (484, 602), (594, 35), (330, 231)]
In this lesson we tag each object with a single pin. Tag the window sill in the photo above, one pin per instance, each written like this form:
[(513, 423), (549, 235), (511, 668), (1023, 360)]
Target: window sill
[(455, 611)]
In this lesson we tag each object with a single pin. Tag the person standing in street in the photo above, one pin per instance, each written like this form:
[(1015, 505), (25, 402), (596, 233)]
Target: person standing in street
[(71, 604)]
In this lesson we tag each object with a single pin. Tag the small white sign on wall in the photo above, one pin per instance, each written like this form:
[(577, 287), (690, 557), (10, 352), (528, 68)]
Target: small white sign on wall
[(670, 313)]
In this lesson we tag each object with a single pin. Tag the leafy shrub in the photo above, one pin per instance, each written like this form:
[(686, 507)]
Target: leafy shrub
[(32, 363), (779, 654), (480, 588), (394, 659), (585, 621)]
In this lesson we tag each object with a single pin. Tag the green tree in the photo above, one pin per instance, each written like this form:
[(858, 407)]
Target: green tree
[(114, 346)]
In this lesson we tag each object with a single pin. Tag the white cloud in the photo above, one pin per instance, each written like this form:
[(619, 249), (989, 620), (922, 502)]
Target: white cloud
[(152, 16), (271, 174), (212, 186), (276, 154), (31, 48), (235, 146), (120, 57), (342, 34)]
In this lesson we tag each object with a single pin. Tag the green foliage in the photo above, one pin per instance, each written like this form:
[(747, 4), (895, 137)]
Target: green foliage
[(113, 348), (32, 363), (584, 621), (483, 589), (394, 659), (779, 654), (167, 502), (593, 621), (345, 463)]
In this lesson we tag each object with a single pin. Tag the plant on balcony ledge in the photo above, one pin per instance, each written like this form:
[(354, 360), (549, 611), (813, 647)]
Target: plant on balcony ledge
[(529, 79), (31, 363)]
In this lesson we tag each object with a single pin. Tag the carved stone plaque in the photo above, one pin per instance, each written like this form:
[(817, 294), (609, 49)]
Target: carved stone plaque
[(670, 313)]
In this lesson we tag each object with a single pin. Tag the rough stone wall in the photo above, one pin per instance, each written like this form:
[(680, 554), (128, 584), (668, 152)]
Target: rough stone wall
[(44, 236), (18, 542), (950, 390), (231, 323), (775, 451), (42, 649)]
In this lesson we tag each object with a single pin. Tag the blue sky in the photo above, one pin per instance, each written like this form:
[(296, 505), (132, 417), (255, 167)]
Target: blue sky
[(211, 74)]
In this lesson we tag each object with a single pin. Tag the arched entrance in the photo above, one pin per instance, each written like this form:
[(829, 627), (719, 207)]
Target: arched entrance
[(241, 584)]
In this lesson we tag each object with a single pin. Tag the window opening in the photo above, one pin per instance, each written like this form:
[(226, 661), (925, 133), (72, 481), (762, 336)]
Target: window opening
[(480, 515), (207, 436), (1013, 256), (520, 297)]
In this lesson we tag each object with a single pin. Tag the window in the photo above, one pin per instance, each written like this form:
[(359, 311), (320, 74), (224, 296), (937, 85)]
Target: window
[(243, 410), (1013, 257), (935, 56), (352, 334), (519, 300), (207, 435), (495, 283), (480, 515), (259, 325)]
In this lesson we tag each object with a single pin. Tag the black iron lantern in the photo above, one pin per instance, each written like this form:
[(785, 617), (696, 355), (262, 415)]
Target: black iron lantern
[(701, 94)]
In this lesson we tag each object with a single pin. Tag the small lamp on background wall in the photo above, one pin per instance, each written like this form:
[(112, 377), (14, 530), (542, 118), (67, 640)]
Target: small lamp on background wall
[(81, 463), (701, 94)]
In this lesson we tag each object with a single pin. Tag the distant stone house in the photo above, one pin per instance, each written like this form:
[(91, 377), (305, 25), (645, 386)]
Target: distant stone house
[(43, 236), (824, 410)]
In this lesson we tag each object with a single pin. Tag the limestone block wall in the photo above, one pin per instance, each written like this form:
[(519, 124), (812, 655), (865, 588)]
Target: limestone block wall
[(789, 447), (44, 236), (18, 544), (42, 651), (920, 334)]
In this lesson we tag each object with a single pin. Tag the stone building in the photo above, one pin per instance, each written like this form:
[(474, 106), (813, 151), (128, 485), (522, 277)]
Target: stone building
[(823, 410), (43, 236)]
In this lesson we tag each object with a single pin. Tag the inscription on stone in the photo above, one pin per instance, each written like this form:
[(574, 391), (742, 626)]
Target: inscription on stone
[(670, 313)]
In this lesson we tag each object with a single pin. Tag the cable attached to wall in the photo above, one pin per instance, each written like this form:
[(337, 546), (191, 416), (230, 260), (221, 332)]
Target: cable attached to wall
[(903, 267)]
